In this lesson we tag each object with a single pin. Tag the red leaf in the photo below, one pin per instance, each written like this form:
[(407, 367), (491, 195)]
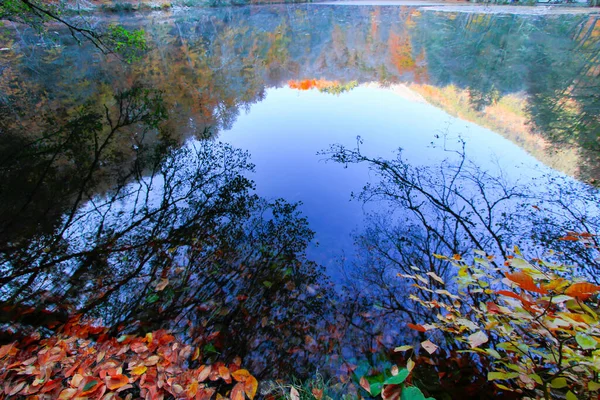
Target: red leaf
[(492, 308), (419, 328)]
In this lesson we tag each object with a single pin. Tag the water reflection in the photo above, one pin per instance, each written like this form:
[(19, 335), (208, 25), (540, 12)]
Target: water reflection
[(119, 203), (180, 243), (529, 78)]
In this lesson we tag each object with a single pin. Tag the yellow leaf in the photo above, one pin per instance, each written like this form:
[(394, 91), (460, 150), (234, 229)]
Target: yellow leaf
[(410, 364), (139, 370)]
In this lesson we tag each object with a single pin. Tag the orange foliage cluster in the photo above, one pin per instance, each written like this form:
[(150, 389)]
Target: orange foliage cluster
[(72, 365), (308, 84)]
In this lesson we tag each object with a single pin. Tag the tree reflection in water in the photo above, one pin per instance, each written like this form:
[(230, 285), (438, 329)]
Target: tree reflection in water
[(178, 240)]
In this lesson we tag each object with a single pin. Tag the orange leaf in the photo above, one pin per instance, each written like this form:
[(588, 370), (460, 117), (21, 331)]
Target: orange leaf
[(193, 389), (569, 238), (237, 393), (250, 387), (224, 373), (196, 354), (116, 381), (241, 375), (525, 282), (203, 372), (419, 328), (89, 385), (6, 350), (582, 290), (318, 393), (205, 394)]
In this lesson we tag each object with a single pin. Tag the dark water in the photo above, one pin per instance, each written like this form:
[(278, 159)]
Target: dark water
[(129, 192)]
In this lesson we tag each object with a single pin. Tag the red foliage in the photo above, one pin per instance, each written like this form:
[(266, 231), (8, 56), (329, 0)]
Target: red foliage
[(71, 365)]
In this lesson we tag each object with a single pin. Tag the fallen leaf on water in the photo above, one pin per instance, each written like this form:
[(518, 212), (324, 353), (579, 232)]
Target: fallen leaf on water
[(429, 346)]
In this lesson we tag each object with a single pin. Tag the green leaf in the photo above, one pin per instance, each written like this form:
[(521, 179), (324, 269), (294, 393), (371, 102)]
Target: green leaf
[(152, 298), (412, 393), (268, 284), (90, 385), (586, 342), (593, 386), (492, 376), (398, 379), (376, 388), (558, 383), (537, 379), (493, 353), (403, 348), (571, 396)]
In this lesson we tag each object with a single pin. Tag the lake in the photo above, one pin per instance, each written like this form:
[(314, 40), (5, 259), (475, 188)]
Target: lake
[(160, 190)]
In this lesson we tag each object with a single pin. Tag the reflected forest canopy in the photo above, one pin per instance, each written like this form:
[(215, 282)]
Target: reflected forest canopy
[(125, 214)]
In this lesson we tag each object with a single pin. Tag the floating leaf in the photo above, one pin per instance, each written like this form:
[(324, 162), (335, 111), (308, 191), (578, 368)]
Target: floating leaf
[(477, 339), (419, 328), (403, 348), (429, 346)]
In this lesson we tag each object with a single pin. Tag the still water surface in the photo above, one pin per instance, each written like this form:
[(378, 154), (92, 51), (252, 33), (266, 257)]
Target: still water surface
[(108, 198)]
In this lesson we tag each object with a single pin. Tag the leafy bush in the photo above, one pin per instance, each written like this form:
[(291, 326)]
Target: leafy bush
[(534, 321)]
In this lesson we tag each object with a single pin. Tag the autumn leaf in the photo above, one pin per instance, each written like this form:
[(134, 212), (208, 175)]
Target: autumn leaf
[(582, 290), (435, 276), (477, 339), (204, 372), (391, 392), (237, 393), (419, 328), (569, 238), (250, 384), (16, 389), (7, 349), (162, 285), (525, 282), (294, 395), (115, 382), (365, 384), (429, 346), (139, 370), (318, 393)]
